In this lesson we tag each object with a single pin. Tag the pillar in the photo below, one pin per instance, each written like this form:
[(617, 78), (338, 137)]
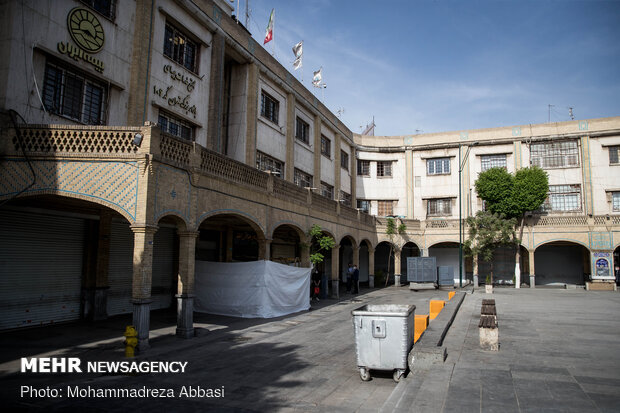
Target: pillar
[(356, 261), (229, 244), (251, 114), (264, 249), (397, 259), (305, 252), (335, 272), (185, 289), (317, 153), (353, 174), (216, 93), (475, 270), (100, 302), (532, 270), (142, 278), (371, 267), (289, 162)]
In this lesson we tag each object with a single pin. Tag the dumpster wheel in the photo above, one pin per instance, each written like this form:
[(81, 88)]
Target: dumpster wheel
[(398, 374), (364, 374)]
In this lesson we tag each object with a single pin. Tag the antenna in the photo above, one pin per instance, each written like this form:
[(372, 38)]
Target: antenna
[(570, 113), (247, 13), (339, 112), (549, 118)]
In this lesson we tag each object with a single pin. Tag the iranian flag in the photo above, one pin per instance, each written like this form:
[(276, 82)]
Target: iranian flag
[(269, 32)]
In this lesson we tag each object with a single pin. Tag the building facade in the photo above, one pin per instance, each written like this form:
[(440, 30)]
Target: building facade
[(140, 136)]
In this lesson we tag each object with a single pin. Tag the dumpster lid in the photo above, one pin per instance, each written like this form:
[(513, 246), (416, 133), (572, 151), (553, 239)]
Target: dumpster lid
[(384, 310)]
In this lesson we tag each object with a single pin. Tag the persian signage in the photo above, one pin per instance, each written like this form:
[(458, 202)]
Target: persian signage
[(87, 33), (602, 266), (181, 102)]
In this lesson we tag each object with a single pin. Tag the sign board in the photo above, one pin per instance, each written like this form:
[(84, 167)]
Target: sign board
[(422, 269), (446, 275), (602, 266)]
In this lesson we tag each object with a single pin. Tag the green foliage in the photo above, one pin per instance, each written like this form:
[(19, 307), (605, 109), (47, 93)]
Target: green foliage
[(390, 227), (402, 228), (320, 242), (513, 195)]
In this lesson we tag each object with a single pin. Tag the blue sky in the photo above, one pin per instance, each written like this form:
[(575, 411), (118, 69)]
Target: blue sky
[(434, 66)]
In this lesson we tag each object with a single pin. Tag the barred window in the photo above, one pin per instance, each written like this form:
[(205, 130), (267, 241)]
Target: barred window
[(614, 154), (345, 198), (302, 179), (493, 161), (344, 160), (563, 198), (385, 208), (302, 130), (106, 8), (326, 146), (439, 207), (174, 126), (327, 190), (265, 162), (363, 168), (68, 93), (615, 201), (363, 205), (438, 166), (554, 154), (269, 107), (180, 48), (384, 168)]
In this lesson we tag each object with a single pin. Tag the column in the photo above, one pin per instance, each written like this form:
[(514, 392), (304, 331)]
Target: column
[(317, 152), (397, 258), (409, 179), (229, 244), (142, 277), (185, 289), (289, 162), (264, 249), (337, 172), (371, 267), (305, 253), (100, 302), (474, 260), (216, 93), (251, 114), (335, 272), (356, 261), (353, 172), (532, 271)]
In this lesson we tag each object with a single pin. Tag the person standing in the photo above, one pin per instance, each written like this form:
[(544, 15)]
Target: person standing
[(356, 279), (349, 277)]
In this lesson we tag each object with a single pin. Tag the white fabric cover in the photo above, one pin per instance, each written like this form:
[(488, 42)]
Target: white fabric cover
[(256, 289)]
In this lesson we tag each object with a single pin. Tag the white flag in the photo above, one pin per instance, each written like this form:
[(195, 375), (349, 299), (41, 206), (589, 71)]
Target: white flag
[(298, 51), (317, 78)]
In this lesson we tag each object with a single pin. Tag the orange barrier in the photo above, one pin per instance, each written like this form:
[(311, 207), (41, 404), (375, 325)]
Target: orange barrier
[(435, 307), (421, 322), (451, 294)]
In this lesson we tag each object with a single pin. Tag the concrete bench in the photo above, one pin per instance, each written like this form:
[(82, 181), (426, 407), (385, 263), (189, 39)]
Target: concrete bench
[(488, 327)]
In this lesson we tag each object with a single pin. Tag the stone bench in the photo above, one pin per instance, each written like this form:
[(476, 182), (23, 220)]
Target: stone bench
[(488, 327)]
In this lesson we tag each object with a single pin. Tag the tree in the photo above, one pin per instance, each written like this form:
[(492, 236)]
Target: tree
[(319, 242), (487, 231), (391, 230), (513, 196)]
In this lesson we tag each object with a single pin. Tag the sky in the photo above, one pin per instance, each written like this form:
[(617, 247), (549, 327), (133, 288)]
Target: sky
[(424, 66)]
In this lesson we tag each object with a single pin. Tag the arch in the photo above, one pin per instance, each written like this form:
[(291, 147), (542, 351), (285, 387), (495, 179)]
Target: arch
[(251, 220), (351, 238), (286, 245), (408, 249), (573, 241), (174, 218), (447, 241), (562, 262), (229, 236), (292, 224), (367, 242)]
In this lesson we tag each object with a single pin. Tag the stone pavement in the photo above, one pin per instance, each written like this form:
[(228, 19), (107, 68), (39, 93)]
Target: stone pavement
[(560, 351)]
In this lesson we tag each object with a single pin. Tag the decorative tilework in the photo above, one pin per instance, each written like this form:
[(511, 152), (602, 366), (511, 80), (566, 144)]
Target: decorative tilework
[(600, 240), (113, 182), (251, 45), (583, 125), (408, 140), (516, 131), (217, 14), (464, 136), (172, 192)]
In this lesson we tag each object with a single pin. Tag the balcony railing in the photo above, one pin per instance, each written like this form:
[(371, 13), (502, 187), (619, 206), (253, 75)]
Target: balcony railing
[(212, 163)]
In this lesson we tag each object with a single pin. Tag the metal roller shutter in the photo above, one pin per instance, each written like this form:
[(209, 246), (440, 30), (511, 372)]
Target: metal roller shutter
[(120, 271), (163, 268), (40, 268)]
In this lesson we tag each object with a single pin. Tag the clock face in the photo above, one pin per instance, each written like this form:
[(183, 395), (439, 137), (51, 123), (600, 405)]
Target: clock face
[(85, 30)]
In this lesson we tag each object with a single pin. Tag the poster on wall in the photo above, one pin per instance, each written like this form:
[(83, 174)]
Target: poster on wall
[(602, 266)]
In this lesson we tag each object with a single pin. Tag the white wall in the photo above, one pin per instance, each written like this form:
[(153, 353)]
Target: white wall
[(271, 138)]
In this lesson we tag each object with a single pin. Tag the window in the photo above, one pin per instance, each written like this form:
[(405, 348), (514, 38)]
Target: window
[(554, 154), (302, 131), (615, 201), (439, 207), (106, 8), (269, 107), (363, 205), (265, 162), (327, 190), (181, 49), (385, 208), (302, 179), (563, 198), (384, 168), (68, 93), (363, 168), (174, 126), (345, 198), (438, 166), (492, 161), (326, 146), (614, 155), (344, 160)]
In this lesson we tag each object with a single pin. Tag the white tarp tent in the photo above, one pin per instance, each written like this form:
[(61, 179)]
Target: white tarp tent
[(257, 289)]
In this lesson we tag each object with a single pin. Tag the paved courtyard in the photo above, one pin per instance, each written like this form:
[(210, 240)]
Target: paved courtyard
[(560, 351)]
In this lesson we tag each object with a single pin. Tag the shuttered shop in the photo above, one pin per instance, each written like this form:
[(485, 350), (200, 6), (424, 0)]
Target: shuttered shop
[(41, 260)]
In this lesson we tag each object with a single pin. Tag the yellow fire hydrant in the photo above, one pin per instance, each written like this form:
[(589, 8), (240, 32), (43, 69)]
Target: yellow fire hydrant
[(131, 341)]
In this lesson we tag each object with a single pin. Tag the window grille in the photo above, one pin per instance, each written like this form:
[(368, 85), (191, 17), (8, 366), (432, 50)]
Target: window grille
[(327, 190), (174, 126), (345, 198), (554, 154), (265, 162), (302, 131), (438, 166), (363, 168), (563, 198), (302, 179), (363, 205), (614, 154), (615, 201), (385, 208), (439, 207), (344, 160), (269, 107), (492, 161), (106, 8), (384, 168), (326, 146), (70, 94), (180, 48)]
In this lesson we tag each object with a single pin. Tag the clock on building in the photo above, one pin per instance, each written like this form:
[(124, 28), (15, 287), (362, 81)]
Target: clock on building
[(85, 30)]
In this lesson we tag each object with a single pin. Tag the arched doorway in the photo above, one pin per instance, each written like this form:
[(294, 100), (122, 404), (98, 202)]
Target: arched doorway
[(562, 262), (504, 266), (229, 238), (410, 249), (364, 267), (384, 263), (447, 255), (286, 245)]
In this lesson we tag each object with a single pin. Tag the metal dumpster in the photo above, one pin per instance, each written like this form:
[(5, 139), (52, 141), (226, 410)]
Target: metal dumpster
[(383, 337)]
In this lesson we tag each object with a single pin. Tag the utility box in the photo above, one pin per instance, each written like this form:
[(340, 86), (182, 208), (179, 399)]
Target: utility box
[(445, 275), (422, 269), (384, 336)]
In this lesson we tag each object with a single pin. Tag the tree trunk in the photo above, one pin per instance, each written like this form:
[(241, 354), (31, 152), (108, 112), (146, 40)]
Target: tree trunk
[(518, 254)]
